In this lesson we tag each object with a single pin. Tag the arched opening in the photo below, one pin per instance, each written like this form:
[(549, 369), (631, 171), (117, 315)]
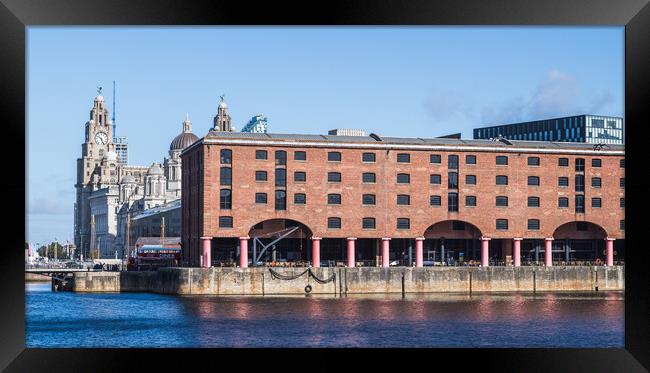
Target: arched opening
[(451, 242), (575, 242), (281, 242)]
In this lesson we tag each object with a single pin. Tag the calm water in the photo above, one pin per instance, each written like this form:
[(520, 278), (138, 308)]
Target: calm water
[(151, 320)]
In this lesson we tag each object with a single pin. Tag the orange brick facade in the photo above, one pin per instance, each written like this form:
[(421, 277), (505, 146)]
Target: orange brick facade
[(201, 188)]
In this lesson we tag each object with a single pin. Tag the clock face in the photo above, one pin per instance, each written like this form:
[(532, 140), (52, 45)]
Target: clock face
[(101, 138)]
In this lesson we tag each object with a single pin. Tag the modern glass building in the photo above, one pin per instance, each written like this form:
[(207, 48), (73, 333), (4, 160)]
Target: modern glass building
[(122, 149), (587, 128), (257, 124)]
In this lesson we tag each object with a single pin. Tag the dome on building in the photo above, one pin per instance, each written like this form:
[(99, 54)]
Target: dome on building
[(155, 169), (183, 140), (128, 179), (99, 98), (111, 155)]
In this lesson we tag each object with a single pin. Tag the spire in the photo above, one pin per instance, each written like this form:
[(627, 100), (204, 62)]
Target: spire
[(187, 125)]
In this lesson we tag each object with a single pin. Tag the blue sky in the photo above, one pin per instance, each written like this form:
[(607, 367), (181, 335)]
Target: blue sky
[(398, 81)]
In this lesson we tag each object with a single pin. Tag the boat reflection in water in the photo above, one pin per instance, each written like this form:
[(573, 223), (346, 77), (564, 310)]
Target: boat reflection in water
[(442, 320)]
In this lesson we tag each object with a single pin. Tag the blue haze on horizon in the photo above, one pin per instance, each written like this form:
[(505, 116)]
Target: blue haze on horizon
[(395, 81)]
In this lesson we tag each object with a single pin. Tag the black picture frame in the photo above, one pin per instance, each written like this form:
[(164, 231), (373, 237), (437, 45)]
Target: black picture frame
[(16, 15)]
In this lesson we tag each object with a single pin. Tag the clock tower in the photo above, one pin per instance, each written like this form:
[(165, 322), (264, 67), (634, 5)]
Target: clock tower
[(96, 168)]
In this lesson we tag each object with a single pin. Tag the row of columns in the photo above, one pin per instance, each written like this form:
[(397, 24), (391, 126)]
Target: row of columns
[(206, 260)]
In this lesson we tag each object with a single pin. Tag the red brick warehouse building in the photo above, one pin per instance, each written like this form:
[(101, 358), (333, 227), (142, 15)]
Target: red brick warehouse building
[(376, 200)]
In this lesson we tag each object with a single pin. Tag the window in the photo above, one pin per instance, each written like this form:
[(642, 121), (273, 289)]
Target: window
[(580, 164), (260, 197), (369, 177), (470, 179), (403, 223), (299, 155), (622, 164), (226, 156), (502, 180), (622, 182), (435, 158), (623, 202), (563, 202), (280, 158), (403, 158), (470, 200), (334, 223), (225, 176), (334, 177), (502, 160), (368, 199), (280, 177), (452, 202), (533, 180), (533, 201), (333, 199), (435, 201), (533, 161), (580, 183), (596, 162), (280, 200), (502, 201), (368, 157), (403, 199), (580, 203), (452, 162), (622, 225), (502, 224), (435, 179), (403, 178), (533, 224), (225, 221), (563, 181), (260, 176), (368, 223), (563, 162), (299, 198), (470, 159), (334, 156), (452, 180), (595, 182), (596, 202), (300, 176), (225, 199), (261, 154)]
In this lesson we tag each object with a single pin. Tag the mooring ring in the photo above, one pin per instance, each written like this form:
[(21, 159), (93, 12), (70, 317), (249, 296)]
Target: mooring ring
[(308, 289)]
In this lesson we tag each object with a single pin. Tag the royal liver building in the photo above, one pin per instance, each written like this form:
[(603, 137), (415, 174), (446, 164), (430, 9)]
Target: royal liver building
[(110, 193)]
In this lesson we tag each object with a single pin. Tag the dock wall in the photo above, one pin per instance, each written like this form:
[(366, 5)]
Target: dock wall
[(363, 280)]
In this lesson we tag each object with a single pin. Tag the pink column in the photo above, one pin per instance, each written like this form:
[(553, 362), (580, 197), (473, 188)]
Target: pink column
[(385, 262), (485, 258), (419, 251), (315, 252), (351, 262), (206, 243), (516, 252), (243, 252), (610, 251), (548, 252)]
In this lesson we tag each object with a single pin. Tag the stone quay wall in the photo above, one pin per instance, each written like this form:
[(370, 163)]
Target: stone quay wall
[(369, 280)]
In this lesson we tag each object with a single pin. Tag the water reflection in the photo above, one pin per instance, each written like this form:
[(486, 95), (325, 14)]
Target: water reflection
[(418, 320)]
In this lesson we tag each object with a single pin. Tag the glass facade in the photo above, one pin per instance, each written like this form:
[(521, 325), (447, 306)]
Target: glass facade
[(593, 129)]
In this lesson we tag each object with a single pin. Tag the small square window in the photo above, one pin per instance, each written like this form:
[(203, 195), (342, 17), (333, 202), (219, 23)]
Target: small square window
[(502, 180), (333, 199), (403, 199), (623, 202), (368, 223), (470, 200), (368, 157), (435, 158), (596, 202), (622, 182), (622, 225), (502, 224), (334, 177), (470, 179), (596, 162), (533, 180), (403, 158), (470, 159), (563, 181), (300, 155), (403, 223), (435, 200), (334, 156), (225, 221), (502, 160), (622, 163), (260, 198), (300, 176), (334, 223), (299, 198), (369, 177), (533, 224), (261, 154), (403, 178), (502, 201), (435, 179), (595, 182), (533, 161), (533, 201), (563, 162), (563, 202), (368, 199)]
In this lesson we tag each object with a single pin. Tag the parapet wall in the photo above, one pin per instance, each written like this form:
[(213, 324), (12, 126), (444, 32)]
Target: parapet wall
[(368, 280)]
